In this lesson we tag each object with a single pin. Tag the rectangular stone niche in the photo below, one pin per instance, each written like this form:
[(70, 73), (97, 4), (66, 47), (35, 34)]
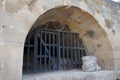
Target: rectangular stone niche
[(72, 75)]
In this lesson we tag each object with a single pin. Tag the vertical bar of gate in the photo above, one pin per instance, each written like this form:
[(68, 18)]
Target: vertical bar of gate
[(67, 48), (28, 54), (45, 51), (35, 50), (71, 42), (79, 58), (41, 50), (49, 50), (53, 52), (75, 46), (82, 48), (58, 49), (63, 50)]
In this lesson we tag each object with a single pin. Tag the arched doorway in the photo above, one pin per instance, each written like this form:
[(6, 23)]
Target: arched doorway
[(81, 22), (52, 46)]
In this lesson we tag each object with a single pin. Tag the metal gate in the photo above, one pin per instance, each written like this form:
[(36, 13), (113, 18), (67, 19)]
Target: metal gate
[(48, 50)]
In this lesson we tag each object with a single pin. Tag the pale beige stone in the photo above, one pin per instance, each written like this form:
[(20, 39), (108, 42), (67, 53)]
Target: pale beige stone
[(72, 75), (109, 64), (117, 54), (117, 64), (118, 74)]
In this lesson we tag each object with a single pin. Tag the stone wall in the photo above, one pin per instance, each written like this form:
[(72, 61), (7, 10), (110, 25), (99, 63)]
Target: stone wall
[(18, 16)]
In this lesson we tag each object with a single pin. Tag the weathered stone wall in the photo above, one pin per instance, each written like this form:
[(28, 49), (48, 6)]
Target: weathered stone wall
[(18, 16)]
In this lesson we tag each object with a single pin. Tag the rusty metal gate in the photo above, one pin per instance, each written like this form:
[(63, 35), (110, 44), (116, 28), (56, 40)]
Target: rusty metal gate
[(48, 50)]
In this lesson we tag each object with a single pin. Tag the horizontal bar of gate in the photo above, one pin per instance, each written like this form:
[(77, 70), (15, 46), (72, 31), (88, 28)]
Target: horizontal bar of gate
[(72, 63), (27, 64), (29, 45), (51, 30), (73, 47), (51, 44), (42, 56), (45, 47)]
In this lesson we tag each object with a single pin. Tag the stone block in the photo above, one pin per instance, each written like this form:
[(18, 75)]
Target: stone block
[(12, 69), (13, 36), (109, 64), (90, 64), (117, 54), (117, 64), (72, 75), (118, 74), (6, 18), (101, 62), (11, 51)]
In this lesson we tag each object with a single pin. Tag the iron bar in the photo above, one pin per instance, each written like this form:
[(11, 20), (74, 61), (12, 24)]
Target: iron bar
[(58, 49), (41, 49), (35, 50)]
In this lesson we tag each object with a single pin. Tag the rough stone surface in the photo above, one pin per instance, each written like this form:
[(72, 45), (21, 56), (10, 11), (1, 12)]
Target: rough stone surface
[(72, 75), (90, 64), (118, 75)]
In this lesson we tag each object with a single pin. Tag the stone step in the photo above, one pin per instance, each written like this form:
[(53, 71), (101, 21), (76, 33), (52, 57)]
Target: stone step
[(72, 75)]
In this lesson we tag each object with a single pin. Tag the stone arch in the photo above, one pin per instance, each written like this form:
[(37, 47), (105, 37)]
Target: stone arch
[(94, 37)]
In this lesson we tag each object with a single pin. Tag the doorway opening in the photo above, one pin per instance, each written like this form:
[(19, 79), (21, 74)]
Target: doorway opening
[(52, 47)]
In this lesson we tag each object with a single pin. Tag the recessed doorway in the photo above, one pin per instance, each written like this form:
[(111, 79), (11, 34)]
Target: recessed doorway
[(52, 46)]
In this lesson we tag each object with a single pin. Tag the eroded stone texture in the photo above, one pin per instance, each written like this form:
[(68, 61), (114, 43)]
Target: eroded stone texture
[(90, 64), (73, 75), (118, 75), (2, 5), (14, 6)]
